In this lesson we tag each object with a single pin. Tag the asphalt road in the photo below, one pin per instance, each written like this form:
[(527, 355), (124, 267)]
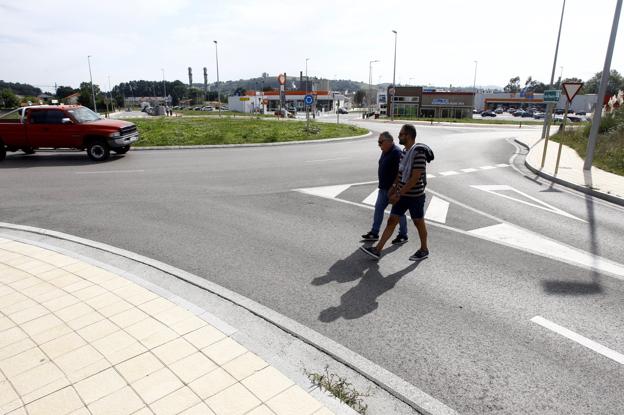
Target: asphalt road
[(458, 325)]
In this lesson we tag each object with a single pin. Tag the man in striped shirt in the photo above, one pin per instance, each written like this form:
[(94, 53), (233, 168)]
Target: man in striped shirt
[(407, 193)]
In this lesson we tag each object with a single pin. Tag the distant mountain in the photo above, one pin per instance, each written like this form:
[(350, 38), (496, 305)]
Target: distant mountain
[(20, 89)]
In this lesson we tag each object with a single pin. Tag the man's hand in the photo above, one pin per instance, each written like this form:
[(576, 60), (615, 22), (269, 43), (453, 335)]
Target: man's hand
[(394, 197)]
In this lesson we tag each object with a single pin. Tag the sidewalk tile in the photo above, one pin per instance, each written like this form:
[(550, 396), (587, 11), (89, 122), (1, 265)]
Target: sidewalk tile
[(54, 274), (41, 324), (46, 376), (5, 289), (18, 411), (192, 367), (267, 383), (224, 350), (199, 409), (172, 316), (62, 345), (115, 308), (89, 292), (245, 366), (85, 320), (97, 330), (77, 286), (212, 383), (138, 367), (128, 317), (12, 275), (204, 337), (48, 295), (11, 335), (28, 314), (59, 260), (9, 400), (51, 334), (115, 283), (35, 267), (35, 291), (73, 311), (13, 298), (144, 328), (5, 324), (22, 362), (24, 283), (126, 353), (235, 400), (323, 411), (174, 350), (261, 410), (294, 401), (156, 306), (135, 294), (113, 342), (122, 402), (59, 403), (76, 267), (143, 411), (16, 348), (175, 402), (105, 299), (78, 359), (190, 324), (159, 338), (65, 280), (157, 385), (81, 411), (60, 302), (100, 385), (88, 371)]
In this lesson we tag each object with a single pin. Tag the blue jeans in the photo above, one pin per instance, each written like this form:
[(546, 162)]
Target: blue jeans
[(380, 205)]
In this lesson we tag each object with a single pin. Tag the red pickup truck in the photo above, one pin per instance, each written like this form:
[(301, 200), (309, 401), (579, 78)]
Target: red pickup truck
[(65, 126)]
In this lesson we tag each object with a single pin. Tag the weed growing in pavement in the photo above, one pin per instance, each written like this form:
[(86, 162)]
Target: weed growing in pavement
[(340, 388)]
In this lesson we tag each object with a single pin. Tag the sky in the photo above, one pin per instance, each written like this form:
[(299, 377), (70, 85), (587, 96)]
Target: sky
[(44, 43)]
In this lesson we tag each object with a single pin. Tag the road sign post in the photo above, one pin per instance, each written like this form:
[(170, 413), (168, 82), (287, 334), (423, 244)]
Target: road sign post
[(550, 96), (570, 89)]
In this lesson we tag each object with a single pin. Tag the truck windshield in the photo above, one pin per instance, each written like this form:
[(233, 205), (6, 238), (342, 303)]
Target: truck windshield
[(83, 114)]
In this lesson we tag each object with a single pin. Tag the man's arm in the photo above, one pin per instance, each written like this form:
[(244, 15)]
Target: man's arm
[(415, 177)]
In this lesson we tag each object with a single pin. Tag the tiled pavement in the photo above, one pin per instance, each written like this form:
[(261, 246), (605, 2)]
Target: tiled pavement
[(77, 339)]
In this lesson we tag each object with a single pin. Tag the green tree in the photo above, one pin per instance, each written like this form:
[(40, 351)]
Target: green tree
[(8, 99), (358, 98), (64, 91), (85, 97), (616, 82), (513, 85)]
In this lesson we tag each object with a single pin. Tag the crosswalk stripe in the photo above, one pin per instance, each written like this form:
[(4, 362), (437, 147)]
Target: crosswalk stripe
[(437, 210), (372, 198), (487, 167), (448, 173), (470, 170)]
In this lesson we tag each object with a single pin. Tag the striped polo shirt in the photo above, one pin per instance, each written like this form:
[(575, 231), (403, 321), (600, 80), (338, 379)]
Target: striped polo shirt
[(420, 164)]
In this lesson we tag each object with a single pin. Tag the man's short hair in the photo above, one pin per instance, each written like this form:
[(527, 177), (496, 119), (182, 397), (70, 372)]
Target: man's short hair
[(386, 136), (410, 130)]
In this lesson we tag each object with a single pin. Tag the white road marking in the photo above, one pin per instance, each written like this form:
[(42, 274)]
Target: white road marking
[(448, 173), (437, 210), (326, 191), (430, 176), (502, 165), (583, 341), (372, 198), (487, 167), (493, 189), (470, 170), (109, 171), (322, 160), (535, 243)]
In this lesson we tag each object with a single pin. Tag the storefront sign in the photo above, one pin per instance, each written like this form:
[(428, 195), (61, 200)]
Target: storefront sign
[(439, 101)]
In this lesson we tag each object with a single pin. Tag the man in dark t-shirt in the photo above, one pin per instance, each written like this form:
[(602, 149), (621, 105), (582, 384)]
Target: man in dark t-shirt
[(386, 172), (407, 193)]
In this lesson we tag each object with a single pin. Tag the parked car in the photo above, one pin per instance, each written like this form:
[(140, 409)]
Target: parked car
[(527, 114), (207, 108), (66, 126), (498, 111), (518, 113), (538, 115), (488, 114), (283, 113), (342, 110)]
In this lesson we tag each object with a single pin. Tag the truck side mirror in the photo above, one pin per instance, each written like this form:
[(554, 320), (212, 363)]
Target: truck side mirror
[(67, 121)]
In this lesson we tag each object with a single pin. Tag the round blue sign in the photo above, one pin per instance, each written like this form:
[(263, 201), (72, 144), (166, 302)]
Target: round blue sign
[(309, 99)]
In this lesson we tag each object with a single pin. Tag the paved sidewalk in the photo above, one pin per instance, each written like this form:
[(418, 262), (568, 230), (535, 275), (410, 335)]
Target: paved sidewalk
[(78, 339), (596, 182)]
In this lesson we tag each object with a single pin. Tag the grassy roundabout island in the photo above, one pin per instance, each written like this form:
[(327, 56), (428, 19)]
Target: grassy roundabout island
[(203, 130)]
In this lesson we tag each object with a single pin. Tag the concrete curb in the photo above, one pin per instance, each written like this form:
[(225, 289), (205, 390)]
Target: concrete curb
[(452, 124), (391, 383), (579, 188), (285, 143)]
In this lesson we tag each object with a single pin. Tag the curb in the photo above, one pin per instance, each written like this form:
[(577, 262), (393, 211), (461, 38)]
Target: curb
[(579, 188), (285, 143), (448, 124), (397, 387)]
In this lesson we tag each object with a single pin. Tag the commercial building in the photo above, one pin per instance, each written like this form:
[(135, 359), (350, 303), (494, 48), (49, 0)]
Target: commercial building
[(411, 101), (269, 101)]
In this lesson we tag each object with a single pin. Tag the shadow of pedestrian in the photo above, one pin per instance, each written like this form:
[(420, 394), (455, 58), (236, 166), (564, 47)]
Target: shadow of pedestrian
[(361, 299)]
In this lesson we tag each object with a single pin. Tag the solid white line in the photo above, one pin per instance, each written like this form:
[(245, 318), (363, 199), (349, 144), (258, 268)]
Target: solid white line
[(502, 165), (109, 171), (372, 198), (487, 167), (448, 173), (536, 243), (437, 210), (583, 341), (470, 170), (321, 160)]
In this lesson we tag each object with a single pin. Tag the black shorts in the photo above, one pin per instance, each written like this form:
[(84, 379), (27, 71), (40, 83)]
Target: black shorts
[(415, 205)]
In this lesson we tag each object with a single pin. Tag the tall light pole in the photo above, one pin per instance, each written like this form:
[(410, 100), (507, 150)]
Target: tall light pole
[(164, 87), (474, 85), (110, 93), (604, 82), (218, 84), (370, 82), (393, 79), (549, 106), (91, 79), (306, 90)]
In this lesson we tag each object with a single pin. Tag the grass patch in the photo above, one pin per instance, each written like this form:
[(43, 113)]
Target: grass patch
[(165, 131), (340, 388), (473, 120), (609, 152)]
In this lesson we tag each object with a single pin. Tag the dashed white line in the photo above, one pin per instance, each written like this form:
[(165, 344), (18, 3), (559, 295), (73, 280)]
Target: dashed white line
[(583, 341), (448, 173), (502, 165), (487, 167), (109, 171), (470, 170)]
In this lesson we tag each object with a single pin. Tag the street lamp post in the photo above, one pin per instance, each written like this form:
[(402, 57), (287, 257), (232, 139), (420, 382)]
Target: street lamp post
[(218, 84), (474, 85), (91, 79), (307, 107), (370, 83), (393, 79), (164, 87)]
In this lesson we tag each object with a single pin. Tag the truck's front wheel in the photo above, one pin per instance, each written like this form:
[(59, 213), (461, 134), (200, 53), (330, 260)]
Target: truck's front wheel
[(98, 150), (2, 151), (122, 150)]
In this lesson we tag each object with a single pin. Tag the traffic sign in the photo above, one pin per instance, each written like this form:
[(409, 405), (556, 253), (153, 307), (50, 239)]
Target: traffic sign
[(552, 95), (392, 91), (571, 89), (281, 79), (309, 99)]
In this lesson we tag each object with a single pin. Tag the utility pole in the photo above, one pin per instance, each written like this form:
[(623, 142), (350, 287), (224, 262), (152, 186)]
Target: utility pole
[(91, 79), (370, 83), (164, 87), (306, 92), (218, 85), (604, 82), (393, 80), (474, 85)]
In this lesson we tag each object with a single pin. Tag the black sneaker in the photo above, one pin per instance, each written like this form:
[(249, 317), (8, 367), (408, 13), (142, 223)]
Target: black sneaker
[(369, 250), (399, 240), (419, 255), (370, 237)]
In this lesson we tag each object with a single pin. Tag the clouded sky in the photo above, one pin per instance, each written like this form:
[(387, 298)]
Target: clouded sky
[(47, 42)]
